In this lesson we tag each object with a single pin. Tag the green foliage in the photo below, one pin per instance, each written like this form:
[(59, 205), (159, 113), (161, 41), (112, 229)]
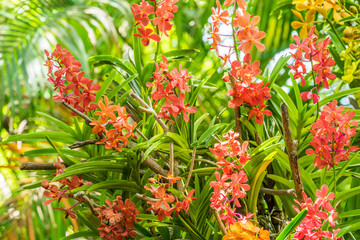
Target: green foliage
[(99, 33)]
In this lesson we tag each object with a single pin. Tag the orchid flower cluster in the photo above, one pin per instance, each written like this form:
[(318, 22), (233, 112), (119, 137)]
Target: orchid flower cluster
[(119, 131), (162, 198), (332, 134), (230, 183), (170, 86), (246, 230), (117, 219), (55, 192), (74, 88), (317, 54), (313, 6), (244, 87), (163, 12), (319, 213)]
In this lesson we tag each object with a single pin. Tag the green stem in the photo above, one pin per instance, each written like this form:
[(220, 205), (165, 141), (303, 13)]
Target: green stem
[(324, 176), (316, 87), (157, 32), (336, 33), (338, 37), (234, 37), (333, 160), (339, 86)]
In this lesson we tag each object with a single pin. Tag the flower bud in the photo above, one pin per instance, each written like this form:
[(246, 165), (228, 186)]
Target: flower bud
[(348, 33), (353, 9), (151, 180), (45, 184)]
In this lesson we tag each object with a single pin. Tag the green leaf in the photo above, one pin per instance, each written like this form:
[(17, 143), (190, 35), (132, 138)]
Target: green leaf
[(107, 59), (89, 220), (197, 90), (69, 161), (276, 71), (292, 225), (52, 151), (87, 170), (331, 98), (81, 234), (351, 227), (204, 171), (197, 124), (105, 85), (178, 139), (61, 124), (137, 53), (293, 112), (299, 102), (342, 196), (190, 227), (263, 145), (97, 164), (40, 136), (256, 184), (151, 148), (179, 53), (351, 213), (147, 73), (116, 184), (209, 133), (37, 183)]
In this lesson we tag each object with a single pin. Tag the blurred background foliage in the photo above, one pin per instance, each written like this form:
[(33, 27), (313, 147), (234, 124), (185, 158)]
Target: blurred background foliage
[(88, 28)]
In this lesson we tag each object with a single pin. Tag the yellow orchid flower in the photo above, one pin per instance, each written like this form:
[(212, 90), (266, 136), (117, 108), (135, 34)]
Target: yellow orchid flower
[(349, 72), (312, 6), (303, 24), (338, 11)]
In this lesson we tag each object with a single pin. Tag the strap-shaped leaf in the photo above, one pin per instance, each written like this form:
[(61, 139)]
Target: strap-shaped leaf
[(108, 59), (292, 225), (68, 160), (116, 184), (81, 234), (61, 124)]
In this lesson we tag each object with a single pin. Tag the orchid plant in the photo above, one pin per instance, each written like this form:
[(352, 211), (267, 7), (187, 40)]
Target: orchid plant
[(137, 167)]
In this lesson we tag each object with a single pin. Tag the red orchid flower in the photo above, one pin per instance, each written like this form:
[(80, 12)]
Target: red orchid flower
[(146, 35)]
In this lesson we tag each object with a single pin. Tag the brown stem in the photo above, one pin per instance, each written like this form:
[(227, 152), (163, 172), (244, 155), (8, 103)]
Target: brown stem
[(81, 196), (270, 191), (142, 135), (146, 110), (83, 143), (146, 198), (237, 112), (218, 220), (37, 166), (292, 152), (191, 168), (151, 163), (82, 115)]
